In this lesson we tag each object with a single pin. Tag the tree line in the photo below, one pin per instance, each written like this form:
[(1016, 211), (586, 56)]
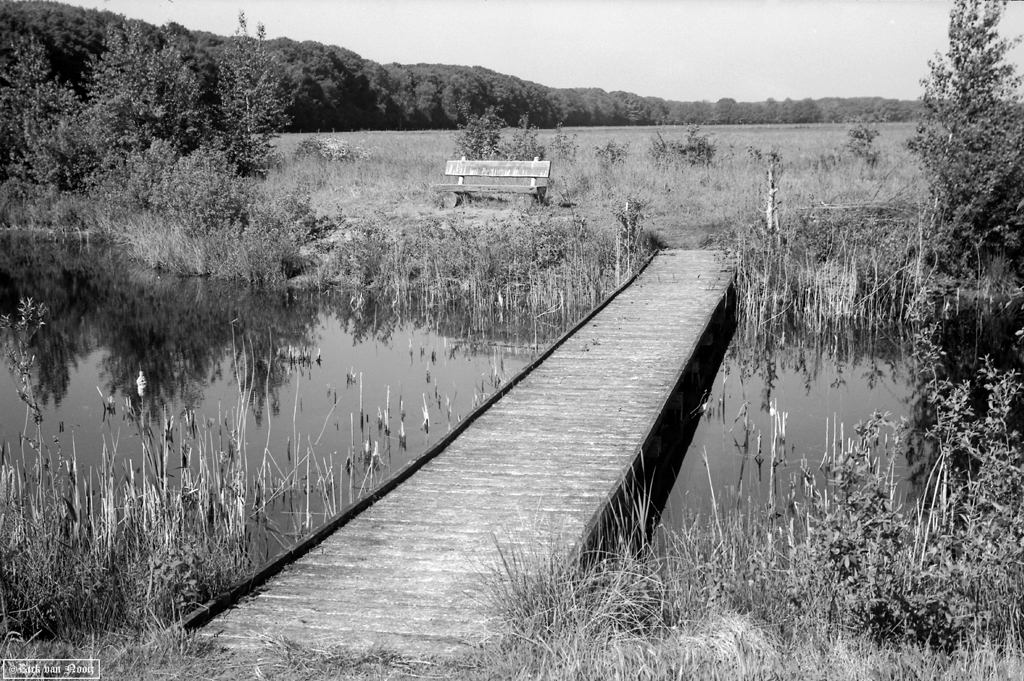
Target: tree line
[(135, 96), (326, 87)]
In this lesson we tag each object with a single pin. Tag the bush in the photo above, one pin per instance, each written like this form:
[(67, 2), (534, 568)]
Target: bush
[(265, 252), (192, 215), (523, 146), (480, 137), (612, 153), (860, 141), (971, 140), (696, 150), (202, 192), (563, 147), (331, 149), (133, 184)]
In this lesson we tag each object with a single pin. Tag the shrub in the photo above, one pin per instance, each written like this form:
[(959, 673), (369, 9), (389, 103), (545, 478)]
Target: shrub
[(331, 149), (202, 192), (480, 137), (563, 147), (133, 184), (523, 146), (697, 149), (612, 153), (41, 131), (253, 100), (860, 141), (971, 139), (265, 252)]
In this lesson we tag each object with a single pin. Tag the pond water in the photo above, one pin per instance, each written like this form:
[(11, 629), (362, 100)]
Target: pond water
[(283, 378), (286, 374), (771, 414), (790, 399)]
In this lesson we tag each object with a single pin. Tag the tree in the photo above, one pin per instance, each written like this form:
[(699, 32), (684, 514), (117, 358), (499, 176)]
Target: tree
[(480, 137), (971, 140), (253, 100), (37, 114), (141, 92)]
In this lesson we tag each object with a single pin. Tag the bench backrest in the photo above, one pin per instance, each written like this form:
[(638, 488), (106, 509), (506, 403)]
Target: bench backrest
[(464, 168)]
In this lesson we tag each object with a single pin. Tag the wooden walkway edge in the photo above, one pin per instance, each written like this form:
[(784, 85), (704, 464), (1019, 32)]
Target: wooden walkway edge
[(545, 462), (224, 600)]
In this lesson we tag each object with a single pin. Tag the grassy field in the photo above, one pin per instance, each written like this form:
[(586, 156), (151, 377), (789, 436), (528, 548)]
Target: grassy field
[(844, 241), (690, 206)]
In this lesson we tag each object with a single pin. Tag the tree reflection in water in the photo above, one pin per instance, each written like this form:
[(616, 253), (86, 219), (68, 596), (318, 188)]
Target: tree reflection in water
[(202, 345), (825, 384)]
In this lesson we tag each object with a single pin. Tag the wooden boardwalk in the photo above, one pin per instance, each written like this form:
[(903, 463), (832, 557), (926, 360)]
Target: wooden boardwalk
[(537, 468)]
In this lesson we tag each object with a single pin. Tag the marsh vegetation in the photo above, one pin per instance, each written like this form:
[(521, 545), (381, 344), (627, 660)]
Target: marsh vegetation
[(894, 550), (822, 271)]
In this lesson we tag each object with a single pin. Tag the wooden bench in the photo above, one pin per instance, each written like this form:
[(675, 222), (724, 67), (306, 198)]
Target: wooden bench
[(497, 172)]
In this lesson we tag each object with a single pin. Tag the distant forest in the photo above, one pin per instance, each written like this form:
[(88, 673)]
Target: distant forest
[(334, 89)]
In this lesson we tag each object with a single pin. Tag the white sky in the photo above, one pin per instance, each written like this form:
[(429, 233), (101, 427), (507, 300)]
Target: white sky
[(684, 50)]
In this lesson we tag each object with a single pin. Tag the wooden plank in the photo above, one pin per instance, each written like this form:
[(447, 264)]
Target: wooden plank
[(537, 169), (501, 188), (537, 469)]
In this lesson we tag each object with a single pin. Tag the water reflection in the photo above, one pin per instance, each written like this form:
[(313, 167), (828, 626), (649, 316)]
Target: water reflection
[(783, 401), (328, 390)]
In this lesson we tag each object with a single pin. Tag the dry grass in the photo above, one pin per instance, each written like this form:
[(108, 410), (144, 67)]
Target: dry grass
[(690, 205), (852, 245), (722, 647)]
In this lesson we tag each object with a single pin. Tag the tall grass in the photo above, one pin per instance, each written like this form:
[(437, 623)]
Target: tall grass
[(520, 266), (130, 545), (117, 547), (858, 266), (834, 578), (851, 242)]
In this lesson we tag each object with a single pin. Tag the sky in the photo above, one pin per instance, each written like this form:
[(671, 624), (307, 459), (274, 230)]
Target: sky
[(684, 50)]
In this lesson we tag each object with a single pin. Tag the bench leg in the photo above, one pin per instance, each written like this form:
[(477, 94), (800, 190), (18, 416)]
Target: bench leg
[(451, 199)]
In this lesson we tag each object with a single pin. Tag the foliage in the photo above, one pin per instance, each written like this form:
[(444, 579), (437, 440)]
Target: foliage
[(971, 140), (141, 92), (199, 193), (252, 100), (35, 112), (519, 265), (611, 153), (20, 332), (975, 531), (331, 149), (835, 557), (202, 194), (563, 147), (947, 573), (142, 556), (479, 138), (861, 141), (696, 150), (523, 146), (630, 242)]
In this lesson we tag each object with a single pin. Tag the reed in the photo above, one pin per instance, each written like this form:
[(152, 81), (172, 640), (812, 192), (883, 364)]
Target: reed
[(845, 267), (525, 267), (137, 543), (833, 578)]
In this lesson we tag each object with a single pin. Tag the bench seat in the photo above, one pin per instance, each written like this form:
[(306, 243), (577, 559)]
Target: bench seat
[(505, 177)]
